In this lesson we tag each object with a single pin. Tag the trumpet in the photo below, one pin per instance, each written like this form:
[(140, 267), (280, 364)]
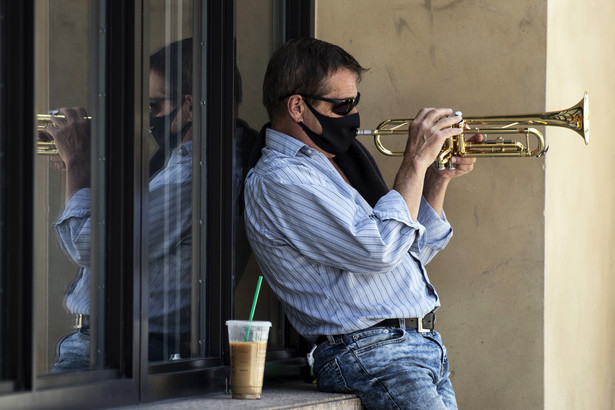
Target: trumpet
[(47, 147), (575, 118)]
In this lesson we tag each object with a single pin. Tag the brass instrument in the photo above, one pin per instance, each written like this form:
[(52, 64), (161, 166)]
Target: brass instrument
[(47, 147), (575, 118)]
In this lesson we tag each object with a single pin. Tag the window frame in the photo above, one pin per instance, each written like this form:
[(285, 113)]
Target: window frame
[(16, 98), (131, 379)]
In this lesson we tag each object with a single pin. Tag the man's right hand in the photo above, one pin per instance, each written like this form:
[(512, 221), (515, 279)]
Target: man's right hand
[(427, 134), (71, 134)]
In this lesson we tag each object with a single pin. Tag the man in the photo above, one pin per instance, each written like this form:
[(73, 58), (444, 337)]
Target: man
[(169, 204), (344, 254)]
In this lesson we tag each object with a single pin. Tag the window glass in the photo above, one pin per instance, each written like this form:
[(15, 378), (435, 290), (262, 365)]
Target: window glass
[(254, 47), (168, 228), (2, 222), (69, 186)]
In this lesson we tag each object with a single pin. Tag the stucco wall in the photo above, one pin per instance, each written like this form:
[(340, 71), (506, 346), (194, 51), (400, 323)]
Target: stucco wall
[(580, 203), (513, 218)]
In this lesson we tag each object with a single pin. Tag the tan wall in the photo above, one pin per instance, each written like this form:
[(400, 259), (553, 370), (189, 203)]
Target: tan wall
[(580, 203), (486, 58)]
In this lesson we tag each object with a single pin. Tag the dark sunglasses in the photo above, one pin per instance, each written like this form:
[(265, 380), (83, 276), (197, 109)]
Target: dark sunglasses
[(341, 106), (156, 104)]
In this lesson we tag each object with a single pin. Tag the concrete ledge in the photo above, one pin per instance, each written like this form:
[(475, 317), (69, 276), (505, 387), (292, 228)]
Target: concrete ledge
[(292, 395)]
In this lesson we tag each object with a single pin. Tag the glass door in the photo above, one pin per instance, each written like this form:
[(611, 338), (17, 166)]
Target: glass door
[(173, 331), (69, 186)]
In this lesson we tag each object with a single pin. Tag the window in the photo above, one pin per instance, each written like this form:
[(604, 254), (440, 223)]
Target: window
[(168, 206), (254, 46), (69, 191), (3, 287), (120, 222)]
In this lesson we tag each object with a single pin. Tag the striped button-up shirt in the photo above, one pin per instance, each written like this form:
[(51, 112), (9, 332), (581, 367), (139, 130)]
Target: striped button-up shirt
[(169, 238), (337, 264)]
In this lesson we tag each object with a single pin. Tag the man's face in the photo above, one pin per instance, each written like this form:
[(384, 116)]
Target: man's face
[(160, 103), (342, 84), (163, 102)]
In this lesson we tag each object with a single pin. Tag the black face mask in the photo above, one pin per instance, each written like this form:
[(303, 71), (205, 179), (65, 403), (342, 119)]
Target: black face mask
[(160, 128), (337, 133)]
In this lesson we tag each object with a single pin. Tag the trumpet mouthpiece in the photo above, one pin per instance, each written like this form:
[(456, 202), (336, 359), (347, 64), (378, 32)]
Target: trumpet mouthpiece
[(364, 132)]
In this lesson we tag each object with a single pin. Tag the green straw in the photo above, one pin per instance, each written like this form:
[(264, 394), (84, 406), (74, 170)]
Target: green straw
[(258, 289)]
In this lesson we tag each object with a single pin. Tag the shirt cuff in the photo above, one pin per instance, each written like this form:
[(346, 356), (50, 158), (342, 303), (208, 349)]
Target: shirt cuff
[(431, 229), (438, 230), (393, 206), (78, 206)]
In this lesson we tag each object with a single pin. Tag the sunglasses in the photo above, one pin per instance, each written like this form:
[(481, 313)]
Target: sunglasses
[(156, 105), (341, 106)]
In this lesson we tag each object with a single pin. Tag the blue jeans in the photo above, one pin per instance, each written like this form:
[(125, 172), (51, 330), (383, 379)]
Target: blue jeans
[(73, 352), (388, 368)]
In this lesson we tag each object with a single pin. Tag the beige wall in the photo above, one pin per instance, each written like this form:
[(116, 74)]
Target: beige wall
[(580, 202), (515, 312)]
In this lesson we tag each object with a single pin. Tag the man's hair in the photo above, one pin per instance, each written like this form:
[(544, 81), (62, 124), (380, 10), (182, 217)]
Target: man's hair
[(174, 63), (302, 66)]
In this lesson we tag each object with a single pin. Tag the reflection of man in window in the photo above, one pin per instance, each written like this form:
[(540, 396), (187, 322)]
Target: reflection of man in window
[(170, 211)]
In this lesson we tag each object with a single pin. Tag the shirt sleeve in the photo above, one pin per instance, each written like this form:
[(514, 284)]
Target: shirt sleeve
[(74, 229), (170, 210), (339, 229), (433, 232), (438, 232)]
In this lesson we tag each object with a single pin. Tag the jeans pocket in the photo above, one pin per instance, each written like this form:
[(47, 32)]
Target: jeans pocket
[(330, 378), (375, 339)]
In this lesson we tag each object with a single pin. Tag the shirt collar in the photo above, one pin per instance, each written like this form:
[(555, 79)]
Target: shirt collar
[(278, 141), (183, 150)]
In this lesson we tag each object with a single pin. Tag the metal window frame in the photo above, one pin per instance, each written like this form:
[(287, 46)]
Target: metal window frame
[(17, 176), (132, 380)]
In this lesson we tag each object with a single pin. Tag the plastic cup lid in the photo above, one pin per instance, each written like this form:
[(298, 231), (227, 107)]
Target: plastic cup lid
[(261, 323)]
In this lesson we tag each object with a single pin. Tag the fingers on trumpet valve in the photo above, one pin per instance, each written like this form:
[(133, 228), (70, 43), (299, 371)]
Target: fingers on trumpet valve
[(477, 137)]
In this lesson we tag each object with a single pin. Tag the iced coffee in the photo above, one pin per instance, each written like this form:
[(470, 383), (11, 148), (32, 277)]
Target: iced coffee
[(248, 345)]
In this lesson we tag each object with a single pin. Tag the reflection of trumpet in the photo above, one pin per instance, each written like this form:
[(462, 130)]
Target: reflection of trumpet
[(575, 118), (43, 121)]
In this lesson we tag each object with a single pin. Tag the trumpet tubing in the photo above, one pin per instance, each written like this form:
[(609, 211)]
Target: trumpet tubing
[(47, 147), (575, 118)]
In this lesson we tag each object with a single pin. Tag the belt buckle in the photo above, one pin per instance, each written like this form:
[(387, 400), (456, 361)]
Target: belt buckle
[(419, 326), (78, 321)]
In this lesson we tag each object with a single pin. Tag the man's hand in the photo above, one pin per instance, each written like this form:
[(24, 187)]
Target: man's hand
[(436, 180), (462, 165), (428, 132), (71, 134)]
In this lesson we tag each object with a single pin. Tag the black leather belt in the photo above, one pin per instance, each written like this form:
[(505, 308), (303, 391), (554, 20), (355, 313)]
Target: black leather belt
[(421, 325)]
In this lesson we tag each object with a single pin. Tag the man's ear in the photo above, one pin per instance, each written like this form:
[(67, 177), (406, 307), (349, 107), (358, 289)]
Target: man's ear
[(188, 99), (295, 107)]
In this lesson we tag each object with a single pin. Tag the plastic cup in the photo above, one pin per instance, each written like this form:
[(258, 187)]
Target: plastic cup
[(248, 344)]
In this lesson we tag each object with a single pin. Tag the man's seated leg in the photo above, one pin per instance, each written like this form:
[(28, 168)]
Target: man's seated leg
[(387, 368), (73, 352)]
